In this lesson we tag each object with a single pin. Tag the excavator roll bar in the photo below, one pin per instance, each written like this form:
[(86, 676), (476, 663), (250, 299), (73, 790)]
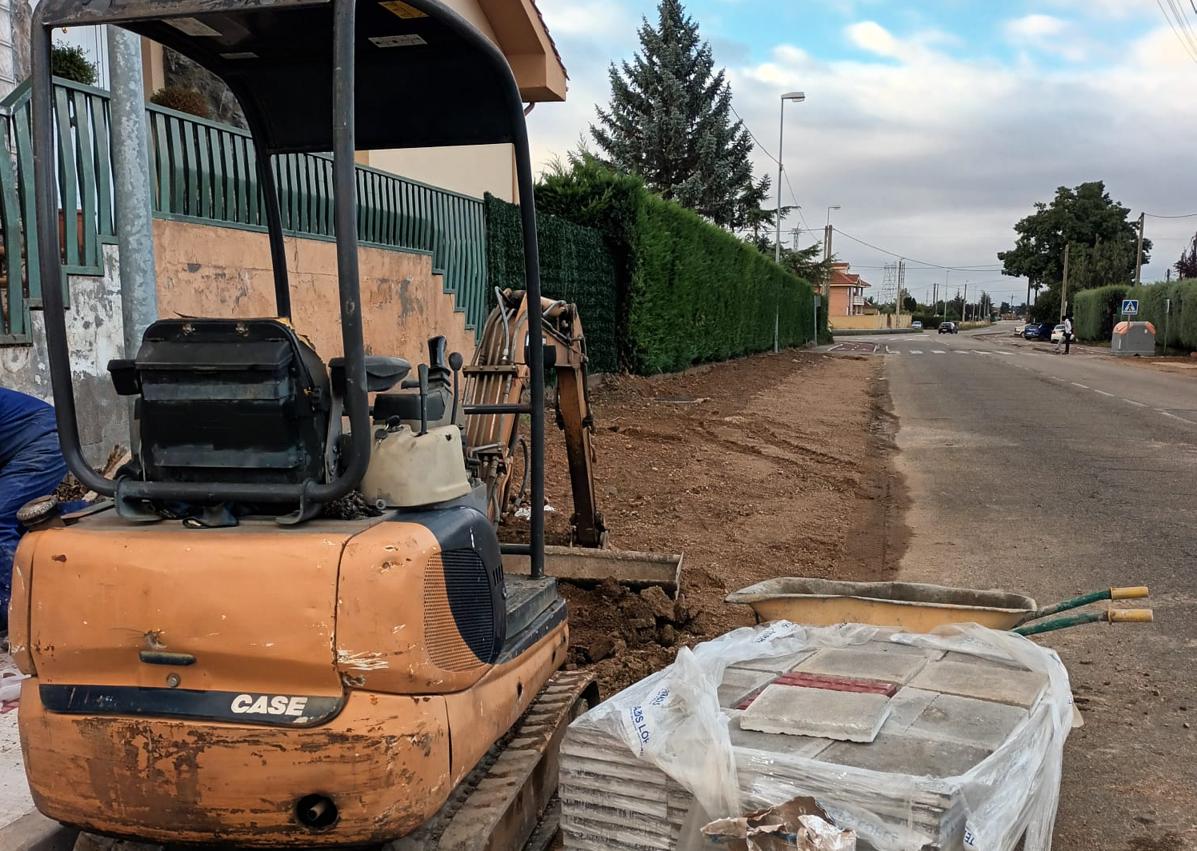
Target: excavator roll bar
[(310, 75)]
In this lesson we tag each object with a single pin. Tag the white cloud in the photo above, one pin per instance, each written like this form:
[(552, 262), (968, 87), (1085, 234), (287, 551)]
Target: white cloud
[(1117, 9), (936, 153), (1048, 34), (871, 36), (585, 18), (1034, 27)]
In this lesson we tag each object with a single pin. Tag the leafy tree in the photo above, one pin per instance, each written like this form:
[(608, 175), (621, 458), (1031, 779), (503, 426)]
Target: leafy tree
[(670, 122), (1186, 266), (1102, 239), (71, 63), (910, 304), (1005, 308)]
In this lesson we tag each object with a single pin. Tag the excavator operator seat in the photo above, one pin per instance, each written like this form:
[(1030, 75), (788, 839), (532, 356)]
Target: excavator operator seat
[(223, 400)]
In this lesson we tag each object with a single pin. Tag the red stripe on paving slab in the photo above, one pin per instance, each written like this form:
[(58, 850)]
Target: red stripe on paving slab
[(830, 682)]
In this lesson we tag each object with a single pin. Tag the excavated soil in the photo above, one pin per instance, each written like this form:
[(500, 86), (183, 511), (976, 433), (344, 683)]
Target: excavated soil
[(773, 465)]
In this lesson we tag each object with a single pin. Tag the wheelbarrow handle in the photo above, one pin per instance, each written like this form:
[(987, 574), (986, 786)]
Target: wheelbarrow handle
[(1129, 593), (1109, 615), (1134, 592)]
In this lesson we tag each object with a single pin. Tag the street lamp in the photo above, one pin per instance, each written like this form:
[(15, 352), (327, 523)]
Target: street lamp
[(799, 97), (829, 209)]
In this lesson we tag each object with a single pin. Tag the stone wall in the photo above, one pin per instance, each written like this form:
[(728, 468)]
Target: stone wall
[(213, 271)]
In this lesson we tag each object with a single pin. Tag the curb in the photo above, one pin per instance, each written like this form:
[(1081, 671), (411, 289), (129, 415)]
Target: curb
[(34, 832)]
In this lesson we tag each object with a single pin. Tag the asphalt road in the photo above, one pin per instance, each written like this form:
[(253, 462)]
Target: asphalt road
[(1052, 476)]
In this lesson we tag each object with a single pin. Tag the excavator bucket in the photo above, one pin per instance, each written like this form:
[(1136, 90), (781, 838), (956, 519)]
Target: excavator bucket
[(583, 565), (496, 382)]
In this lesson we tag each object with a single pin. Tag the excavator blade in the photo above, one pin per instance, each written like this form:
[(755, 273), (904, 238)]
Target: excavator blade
[(627, 567)]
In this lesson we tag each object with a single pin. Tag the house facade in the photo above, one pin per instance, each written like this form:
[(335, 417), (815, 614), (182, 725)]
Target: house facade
[(847, 292), (515, 26), (423, 236)]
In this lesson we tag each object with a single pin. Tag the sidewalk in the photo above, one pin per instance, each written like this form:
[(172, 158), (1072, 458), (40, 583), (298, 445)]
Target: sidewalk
[(15, 800)]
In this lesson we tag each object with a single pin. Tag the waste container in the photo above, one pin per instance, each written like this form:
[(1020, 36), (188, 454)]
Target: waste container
[(1133, 338)]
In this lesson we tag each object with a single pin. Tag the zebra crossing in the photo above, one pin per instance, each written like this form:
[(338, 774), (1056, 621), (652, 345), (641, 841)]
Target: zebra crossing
[(865, 347)]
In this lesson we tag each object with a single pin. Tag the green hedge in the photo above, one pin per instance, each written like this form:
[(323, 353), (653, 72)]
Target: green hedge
[(575, 266), (1096, 311), (687, 291)]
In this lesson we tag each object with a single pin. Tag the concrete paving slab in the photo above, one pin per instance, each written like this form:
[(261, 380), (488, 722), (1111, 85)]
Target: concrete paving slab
[(967, 721), (874, 663), (798, 711), (906, 706), (776, 664), (903, 754), (774, 743), (982, 681), (738, 682)]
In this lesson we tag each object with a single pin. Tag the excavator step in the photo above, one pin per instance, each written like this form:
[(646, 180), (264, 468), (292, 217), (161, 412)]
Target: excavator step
[(505, 802)]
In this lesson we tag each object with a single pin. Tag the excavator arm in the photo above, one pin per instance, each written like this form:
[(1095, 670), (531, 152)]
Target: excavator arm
[(499, 375)]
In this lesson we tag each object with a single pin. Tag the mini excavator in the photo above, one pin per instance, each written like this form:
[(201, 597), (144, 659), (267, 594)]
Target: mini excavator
[(215, 657)]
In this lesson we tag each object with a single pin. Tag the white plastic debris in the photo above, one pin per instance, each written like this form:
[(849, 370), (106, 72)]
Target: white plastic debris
[(655, 763)]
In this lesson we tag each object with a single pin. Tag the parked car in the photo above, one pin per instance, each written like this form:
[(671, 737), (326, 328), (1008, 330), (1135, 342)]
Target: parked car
[(1058, 334), (948, 328), (1019, 329), (916, 326), (1038, 331)]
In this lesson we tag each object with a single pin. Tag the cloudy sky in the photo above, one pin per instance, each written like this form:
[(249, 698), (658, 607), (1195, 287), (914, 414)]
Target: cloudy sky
[(935, 125)]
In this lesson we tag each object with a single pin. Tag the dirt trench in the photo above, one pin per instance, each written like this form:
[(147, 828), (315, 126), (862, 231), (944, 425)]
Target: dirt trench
[(765, 466)]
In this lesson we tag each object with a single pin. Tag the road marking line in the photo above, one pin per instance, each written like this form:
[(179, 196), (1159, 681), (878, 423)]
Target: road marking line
[(1133, 402), (916, 351), (962, 351), (979, 352), (1102, 392), (1169, 414), (1077, 384), (1009, 354), (938, 352), (888, 350)]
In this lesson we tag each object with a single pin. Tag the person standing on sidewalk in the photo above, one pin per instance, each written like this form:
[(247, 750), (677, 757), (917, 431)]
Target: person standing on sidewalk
[(31, 465), (1067, 331)]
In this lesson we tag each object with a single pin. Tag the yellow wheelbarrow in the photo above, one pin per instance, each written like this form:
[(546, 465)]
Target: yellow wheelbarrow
[(917, 607)]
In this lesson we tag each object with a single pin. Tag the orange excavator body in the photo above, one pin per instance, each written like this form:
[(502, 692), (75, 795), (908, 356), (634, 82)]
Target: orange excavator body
[(208, 685)]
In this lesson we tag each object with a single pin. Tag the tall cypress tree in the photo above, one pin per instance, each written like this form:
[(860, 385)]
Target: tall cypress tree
[(670, 122)]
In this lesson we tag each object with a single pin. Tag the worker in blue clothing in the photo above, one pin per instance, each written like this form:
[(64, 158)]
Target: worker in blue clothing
[(31, 465)]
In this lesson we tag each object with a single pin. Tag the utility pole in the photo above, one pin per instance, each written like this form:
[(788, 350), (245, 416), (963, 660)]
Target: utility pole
[(946, 273), (1064, 291), (964, 304), (131, 187), (827, 231), (1139, 252), (901, 281)]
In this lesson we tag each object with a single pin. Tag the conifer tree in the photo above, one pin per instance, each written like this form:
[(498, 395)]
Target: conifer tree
[(670, 122)]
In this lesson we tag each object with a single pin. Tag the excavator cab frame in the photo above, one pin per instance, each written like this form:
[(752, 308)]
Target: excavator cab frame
[(311, 76)]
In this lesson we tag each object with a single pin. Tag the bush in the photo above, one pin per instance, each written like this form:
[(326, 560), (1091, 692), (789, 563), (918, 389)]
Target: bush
[(1181, 325), (1104, 304), (1095, 311), (929, 320), (71, 63), (182, 99), (575, 266), (687, 291)]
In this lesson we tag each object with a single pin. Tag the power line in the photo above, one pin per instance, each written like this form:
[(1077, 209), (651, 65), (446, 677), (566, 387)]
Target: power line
[(989, 267), (1181, 216), (752, 136), (1182, 36)]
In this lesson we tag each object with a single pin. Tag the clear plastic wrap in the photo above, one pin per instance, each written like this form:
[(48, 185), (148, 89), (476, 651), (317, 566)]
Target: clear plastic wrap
[(672, 722)]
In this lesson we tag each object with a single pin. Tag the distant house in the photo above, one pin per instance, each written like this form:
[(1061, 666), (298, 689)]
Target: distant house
[(516, 27), (847, 292)]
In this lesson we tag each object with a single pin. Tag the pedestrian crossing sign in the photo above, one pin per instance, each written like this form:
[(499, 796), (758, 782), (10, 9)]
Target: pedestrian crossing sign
[(1130, 307)]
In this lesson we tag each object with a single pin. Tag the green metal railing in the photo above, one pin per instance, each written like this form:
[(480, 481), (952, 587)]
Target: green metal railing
[(204, 172)]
